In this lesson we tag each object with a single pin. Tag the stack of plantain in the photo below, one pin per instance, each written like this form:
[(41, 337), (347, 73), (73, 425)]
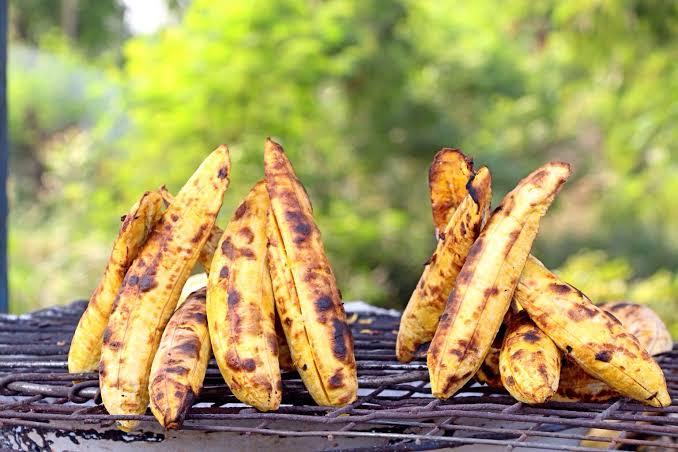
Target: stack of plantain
[(494, 312), (269, 301)]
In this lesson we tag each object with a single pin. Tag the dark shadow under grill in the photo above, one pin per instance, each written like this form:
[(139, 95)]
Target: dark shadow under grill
[(394, 410)]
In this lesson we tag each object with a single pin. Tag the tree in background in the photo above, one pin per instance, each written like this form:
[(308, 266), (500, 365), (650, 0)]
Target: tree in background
[(362, 94)]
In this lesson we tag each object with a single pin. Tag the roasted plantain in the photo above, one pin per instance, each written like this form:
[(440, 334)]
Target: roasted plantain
[(240, 307), (420, 318), (485, 285), (447, 178), (152, 286), (179, 366), (306, 294), (85, 350), (591, 336)]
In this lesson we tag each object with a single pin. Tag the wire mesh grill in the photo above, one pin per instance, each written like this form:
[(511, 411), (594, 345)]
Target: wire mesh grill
[(394, 403)]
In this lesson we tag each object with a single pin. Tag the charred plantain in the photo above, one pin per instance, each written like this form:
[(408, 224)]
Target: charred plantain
[(85, 350), (485, 285), (152, 286), (529, 361), (447, 178), (306, 294), (420, 318), (591, 336), (179, 366), (240, 306)]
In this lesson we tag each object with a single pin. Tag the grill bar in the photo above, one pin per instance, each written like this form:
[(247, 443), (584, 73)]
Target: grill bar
[(394, 410)]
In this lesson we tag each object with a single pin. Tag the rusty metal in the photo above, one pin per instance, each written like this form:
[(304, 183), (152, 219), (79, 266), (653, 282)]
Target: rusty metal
[(394, 403)]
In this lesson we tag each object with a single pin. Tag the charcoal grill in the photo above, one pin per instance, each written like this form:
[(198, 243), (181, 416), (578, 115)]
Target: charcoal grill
[(42, 409)]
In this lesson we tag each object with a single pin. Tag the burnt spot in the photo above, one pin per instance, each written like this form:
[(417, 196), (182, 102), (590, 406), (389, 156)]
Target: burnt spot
[(472, 190), (133, 280), (228, 249), (462, 228), (247, 253), (223, 274), (176, 370), (233, 298), (247, 234), (146, 283), (223, 173), (324, 304), (510, 381), (442, 235), (304, 367), (458, 352), (336, 380), (115, 345), (249, 365), (612, 317), (604, 356), (199, 233), (302, 231), (198, 317), (340, 338), (107, 335), (568, 349), (272, 342), (513, 236), (560, 289), (122, 217), (174, 217), (240, 211), (491, 292), (189, 347), (517, 354), (475, 250), (541, 368), (102, 369), (232, 360), (288, 322), (531, 336)]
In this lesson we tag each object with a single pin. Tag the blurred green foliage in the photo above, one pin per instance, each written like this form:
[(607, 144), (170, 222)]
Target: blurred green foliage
[(361, 94)]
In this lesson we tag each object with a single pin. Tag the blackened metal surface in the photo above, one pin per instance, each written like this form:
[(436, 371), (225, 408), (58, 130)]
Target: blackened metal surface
[(394, 403)]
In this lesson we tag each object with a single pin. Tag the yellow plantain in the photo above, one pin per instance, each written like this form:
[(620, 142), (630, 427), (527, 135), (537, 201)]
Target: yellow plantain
[(195, 282), (240, 307), (85, 350), (642, 322), (306, 294), (420, 318), (488, 372), (447, 178), (484, 288), (210, 246), (594, 338), (529, 361), (179, 366), (152, 286)]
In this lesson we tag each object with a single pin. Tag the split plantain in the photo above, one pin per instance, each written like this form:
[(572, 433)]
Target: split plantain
[(179, 366), (306, 294), (152, 286), (240, 306), (420, 318), (591, 336), (447, 178), (85, 349), (529, 361), (485, 285)]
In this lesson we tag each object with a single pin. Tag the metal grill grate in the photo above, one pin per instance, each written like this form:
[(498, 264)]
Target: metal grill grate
[(394, 410)]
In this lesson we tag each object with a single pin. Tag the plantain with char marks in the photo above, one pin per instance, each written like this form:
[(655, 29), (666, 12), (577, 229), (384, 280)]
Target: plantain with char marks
[(591, 336), (420, 318), (485, 285), (180, 364), (448, 175), (529, 361), (240, 306), (305, 289), (152, 286), (85, 350)]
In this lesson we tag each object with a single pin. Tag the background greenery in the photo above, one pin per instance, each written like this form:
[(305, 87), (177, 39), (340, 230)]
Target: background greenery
[(361, 94)]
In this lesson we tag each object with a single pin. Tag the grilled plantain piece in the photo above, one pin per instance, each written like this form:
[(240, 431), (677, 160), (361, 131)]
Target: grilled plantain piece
[(85, 349), (152, 286), (447, 178), (179, 366), (210, 246), (591, 336), (420, 318), (489, 373), (529, 361), (240, 307), (485, 285), (306, 294)]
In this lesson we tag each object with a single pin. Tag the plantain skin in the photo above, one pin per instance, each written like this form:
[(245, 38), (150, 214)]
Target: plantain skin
[(306, 294), (484, 288), (420, 318), (210, 246), (152, 286), (489, 372), (240, 307), (447, 178), (592, 337), (193, 283), (529, 361), (180, 364), (642, 322), (85, 350)]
